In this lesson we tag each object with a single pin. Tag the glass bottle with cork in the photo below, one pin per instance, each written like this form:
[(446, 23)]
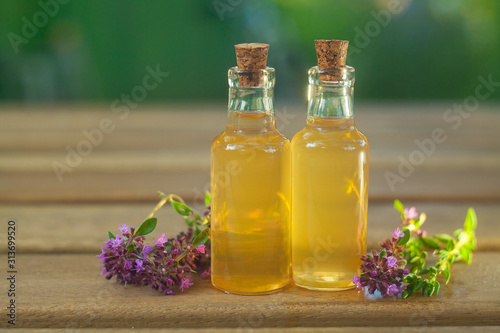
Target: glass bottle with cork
[(250, 184), (329, 178)]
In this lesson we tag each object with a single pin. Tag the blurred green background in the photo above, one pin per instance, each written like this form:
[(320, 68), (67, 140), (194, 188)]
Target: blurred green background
[(94, 50)]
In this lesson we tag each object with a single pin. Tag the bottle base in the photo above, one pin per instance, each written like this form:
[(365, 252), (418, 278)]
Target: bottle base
[(324, 288), (250, 293), (324, 280)]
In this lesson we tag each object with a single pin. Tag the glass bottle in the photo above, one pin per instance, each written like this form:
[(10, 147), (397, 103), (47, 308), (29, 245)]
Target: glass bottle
[(250, 183), (329, 185)]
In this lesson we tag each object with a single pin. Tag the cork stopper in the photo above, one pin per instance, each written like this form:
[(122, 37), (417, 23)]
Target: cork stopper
[(251, 56), (332, 55)]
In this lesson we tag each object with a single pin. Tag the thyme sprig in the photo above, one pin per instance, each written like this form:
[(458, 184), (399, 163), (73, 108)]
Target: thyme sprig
[(410, 250), (169, 262)]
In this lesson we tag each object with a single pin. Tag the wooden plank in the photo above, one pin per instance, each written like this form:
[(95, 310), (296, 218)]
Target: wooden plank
[(113, 185), (22, 127), (169, 146), (82, 228), (434, 329), (66, 291)]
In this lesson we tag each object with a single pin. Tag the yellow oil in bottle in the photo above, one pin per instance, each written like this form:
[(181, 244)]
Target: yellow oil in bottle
[(329, 196), (250, 185)]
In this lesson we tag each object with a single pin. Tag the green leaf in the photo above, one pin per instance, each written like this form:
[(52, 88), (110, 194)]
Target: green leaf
[(436, 287), (444, 238), (399, 206), (382, 254), (425, 271), (410, 277), (168, 246), (430, 243), (446, 274), (470, 221), (465, 255), (188, 221), (208, 199), (443, 254), (147, 227), (420, 284), (431, 288), (181, 208), (462, 236), (201, 238), (407, 292), (422, 262), (414, 259), (110, 235), (405, 238), (130, 247), (447, 265)]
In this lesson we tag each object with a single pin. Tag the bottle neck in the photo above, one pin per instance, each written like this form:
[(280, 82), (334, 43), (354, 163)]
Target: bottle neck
[(330, 96), (251, 100)]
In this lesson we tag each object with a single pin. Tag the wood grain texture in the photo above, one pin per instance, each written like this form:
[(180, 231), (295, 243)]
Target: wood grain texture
[(62, 224), (167, 147), (66, 291), (431, 329), (82, 228)]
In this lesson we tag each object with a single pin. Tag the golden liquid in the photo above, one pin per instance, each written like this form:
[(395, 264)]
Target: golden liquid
[(250, 229), (329, 203)]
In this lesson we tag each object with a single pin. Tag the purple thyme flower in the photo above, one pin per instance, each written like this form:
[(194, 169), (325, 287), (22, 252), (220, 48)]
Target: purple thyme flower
[(206, 273), (102, 256), (134, 262), (139, 265), (201, 248), (161, 240), (355, 280), (397, 233), (146, 250), (379, 274), (395, 290), (114, 242), (124, 229), (127, 265), (380, 270), (422, 233), (185, 284), (411, 213), (392, 262)]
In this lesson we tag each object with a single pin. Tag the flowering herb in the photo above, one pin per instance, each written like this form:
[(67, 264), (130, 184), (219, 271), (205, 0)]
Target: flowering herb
[(400, 268), (167, 264)]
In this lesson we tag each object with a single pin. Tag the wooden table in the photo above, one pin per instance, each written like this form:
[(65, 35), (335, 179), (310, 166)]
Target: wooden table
[(61, 223)]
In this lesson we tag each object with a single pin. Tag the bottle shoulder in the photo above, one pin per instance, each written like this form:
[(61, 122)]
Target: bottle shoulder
[(268, 138), (329, 136)]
